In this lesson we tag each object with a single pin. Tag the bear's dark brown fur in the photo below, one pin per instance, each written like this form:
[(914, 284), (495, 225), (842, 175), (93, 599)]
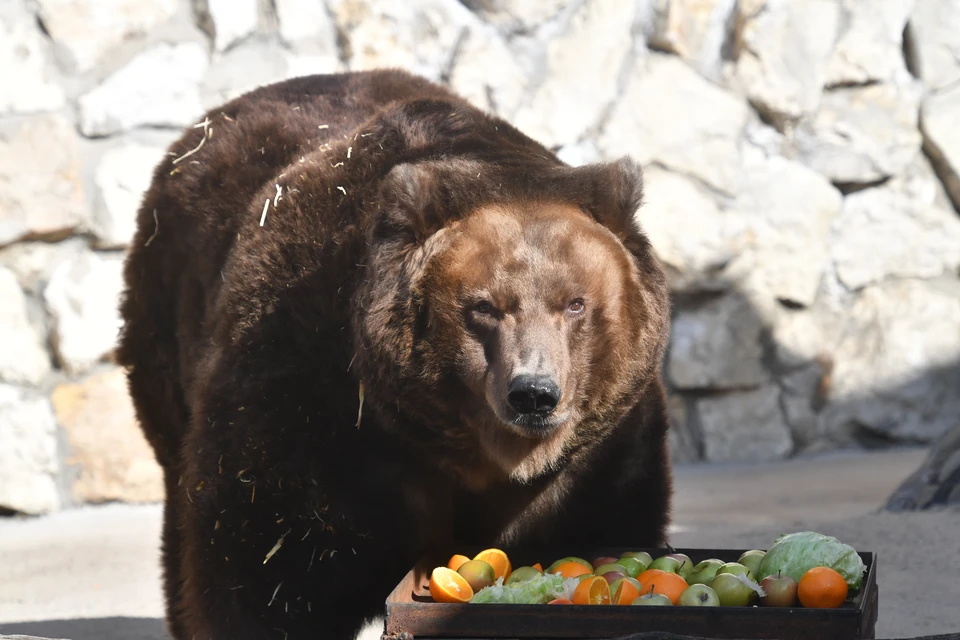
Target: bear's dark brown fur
[(326, 307)]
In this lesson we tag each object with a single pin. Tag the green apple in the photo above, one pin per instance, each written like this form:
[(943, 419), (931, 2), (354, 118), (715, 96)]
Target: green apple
[(781, 591), (657, 599), (731, 591), (632, 566), (686, 565), (703, 572), (752, 559), (522, 574), (642, 556), (699, 595), (478, 574), (665, 563), (734, 567), (604, 568)]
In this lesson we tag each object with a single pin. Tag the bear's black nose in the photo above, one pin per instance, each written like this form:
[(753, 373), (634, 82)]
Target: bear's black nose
[(533, 395)]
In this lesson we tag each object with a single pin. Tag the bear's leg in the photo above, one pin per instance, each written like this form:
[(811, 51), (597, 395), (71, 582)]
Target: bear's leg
[(161, 413)]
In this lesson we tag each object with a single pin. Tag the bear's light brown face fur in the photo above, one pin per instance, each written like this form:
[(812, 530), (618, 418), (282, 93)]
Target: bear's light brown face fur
[(529, 290)]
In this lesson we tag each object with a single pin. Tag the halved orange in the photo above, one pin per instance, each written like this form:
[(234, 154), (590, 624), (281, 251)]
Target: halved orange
[(498, 560), (446, 585), (571, 569), (595, 590), (456, 561), (624, 592)]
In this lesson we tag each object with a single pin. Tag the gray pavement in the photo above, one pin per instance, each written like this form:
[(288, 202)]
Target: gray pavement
[(93, 573)]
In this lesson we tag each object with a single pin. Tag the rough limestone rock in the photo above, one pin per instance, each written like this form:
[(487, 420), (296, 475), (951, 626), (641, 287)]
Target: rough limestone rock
[(744, 426), (88, 29), (41, 193), (786, 211), (28, 85), (83, 298), (486, 72), (307, 26), (871, 47), (582, 71), (158, 88), (115, 461), (122, 176), (697, 30), (228, 22), (862, 134), (895, 369), (28, 455), (426, 45), (675, 204), (935, 25), (786, 47), (33, 262), (245, 68), (23, 358), (800, 398), (513, 16), (938, 122), (717, 346), (706, 147), (883, 233)]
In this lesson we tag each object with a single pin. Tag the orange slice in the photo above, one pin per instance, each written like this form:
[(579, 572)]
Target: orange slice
[(593, 590), (498, 560), (571, 569), (446, 585), (624, 593), (456, 561), (537, 567)]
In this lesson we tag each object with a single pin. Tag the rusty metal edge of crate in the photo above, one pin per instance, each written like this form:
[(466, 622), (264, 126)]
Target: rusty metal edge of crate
[(431, 620)]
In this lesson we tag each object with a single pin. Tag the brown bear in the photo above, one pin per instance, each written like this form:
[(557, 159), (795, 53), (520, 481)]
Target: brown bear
[(365, 320)]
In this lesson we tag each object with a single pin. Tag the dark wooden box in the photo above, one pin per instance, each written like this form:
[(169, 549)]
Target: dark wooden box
[(411, 610)]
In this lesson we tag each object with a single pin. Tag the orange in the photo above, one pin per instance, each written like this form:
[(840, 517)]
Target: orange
[(625, 593), (822, 588), (498, 560), (649, 573), (595, 590), (572, 569), (446, 585), (560, 601), (669, 584), (537, 567), (456, 561)]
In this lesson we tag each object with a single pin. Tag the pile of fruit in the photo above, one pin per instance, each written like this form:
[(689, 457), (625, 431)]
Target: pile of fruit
[(804, 568)]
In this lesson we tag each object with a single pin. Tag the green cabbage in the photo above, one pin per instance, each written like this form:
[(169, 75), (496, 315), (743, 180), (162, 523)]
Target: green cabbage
[(797, 553), (539, 590)]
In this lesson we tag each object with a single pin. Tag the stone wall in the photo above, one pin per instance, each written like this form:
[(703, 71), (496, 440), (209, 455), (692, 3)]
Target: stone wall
[(802, 162)]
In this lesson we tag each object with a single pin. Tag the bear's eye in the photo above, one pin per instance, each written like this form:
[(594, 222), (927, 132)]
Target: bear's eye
[(484, 308), (576, 306)]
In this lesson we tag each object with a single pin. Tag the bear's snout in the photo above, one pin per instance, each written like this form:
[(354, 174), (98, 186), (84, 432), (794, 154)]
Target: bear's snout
[(533, 395)]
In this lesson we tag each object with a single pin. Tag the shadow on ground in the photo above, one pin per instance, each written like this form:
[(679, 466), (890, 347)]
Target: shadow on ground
[(119, 628)]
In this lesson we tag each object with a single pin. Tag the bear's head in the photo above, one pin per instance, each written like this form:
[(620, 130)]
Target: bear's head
[(511, 312)]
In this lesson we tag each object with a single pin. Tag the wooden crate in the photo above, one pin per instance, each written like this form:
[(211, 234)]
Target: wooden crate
[(411, 610)]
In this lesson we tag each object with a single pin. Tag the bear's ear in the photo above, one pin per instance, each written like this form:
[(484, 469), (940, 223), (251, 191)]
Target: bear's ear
[(412, 202), (616, 193)]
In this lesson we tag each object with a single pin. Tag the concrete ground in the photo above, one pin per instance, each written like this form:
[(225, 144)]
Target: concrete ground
[(93, 573)]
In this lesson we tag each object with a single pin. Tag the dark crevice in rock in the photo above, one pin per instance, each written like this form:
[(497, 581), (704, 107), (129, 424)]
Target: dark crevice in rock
[(732, 35), (846, 188), (872, 439), (941, 167), (911, 54), (768, 116), (850, 84), (793, 305), (692, 300)]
